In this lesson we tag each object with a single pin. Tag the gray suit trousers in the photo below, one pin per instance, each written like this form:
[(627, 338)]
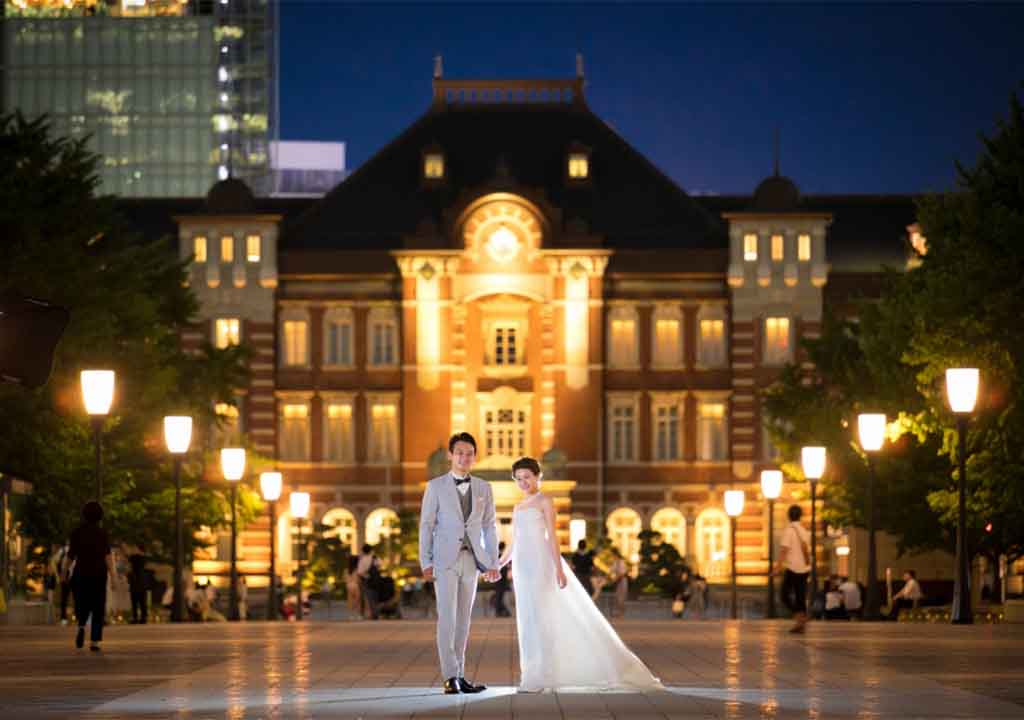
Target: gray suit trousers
[(455, 589)]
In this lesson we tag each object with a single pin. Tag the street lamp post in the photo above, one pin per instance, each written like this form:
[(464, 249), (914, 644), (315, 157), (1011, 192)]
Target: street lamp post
[(813, 461), (771, 486), (871, 428), (98, 394), (270, 484), (962, 390), (299, 502), (178, 436), (733, 508), (232, 463)]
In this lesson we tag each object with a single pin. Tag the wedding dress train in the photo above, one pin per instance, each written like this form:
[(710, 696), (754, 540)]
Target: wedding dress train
[(565, 643)]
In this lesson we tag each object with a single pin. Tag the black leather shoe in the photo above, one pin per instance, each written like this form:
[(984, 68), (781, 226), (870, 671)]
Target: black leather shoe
[(469, 688), (80, 637), (451, 686)]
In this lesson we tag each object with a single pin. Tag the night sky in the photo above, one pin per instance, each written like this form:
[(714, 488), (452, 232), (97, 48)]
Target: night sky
[(868, 98)]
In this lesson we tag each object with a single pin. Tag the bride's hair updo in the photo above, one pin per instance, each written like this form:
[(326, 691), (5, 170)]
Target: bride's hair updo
[(526, 463)]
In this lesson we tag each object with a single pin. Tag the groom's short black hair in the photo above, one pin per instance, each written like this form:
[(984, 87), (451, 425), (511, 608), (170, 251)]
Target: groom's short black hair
[(461, 437)]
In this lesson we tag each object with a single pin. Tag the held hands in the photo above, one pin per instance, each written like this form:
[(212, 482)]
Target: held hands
[(492, 575)]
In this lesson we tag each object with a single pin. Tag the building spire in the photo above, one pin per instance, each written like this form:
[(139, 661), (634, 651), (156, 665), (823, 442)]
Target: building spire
[(579, 65), (438, 67)]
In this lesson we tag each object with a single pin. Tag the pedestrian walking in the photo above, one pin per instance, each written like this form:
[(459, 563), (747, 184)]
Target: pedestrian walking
[(368, 570), (353, 590), (583, 566), (89, 550), (138, 585), (796, 562)]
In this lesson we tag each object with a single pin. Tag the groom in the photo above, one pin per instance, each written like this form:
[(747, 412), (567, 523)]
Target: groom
[(458, 541)]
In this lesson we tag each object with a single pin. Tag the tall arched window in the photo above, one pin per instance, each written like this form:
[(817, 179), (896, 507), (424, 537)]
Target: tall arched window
[(381, 524), (624, 527), (672, 526), (341, 523), (713, 544)]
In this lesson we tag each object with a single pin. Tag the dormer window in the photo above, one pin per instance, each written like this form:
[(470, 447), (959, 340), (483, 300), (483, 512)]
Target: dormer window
[(778, 245), (803, 247), (579, 166), (433, 165)]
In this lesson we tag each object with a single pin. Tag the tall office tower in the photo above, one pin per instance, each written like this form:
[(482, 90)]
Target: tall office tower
[(175, 94)]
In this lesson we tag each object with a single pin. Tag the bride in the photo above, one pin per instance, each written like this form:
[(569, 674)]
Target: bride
[(564, 640)]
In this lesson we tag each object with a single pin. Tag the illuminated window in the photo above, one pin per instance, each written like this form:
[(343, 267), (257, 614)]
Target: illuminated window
[(711, 343), (506, 432), (433, 166), (252, 248), (750, 247), (579, 166), (667, 350), (778, 248), (712, 531), (225, 332), (199, 248), (803, 247), (622, 341), (338, 334), (667, 435), (383, 437), (622, 432), (383, 338), (339, 441), (711, 438), (624, 528), (341, 523), (671, 525), (776, 340), (227, 249), (506, 351), (293, 432), (296, 343)]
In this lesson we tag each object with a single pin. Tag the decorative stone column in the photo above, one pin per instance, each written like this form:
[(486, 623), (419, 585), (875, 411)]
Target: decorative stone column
[(428, 270)]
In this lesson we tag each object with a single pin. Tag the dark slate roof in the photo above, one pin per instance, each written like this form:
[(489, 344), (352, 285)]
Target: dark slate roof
[(627, 200), (230, 196), (153, 218), (867, 231)]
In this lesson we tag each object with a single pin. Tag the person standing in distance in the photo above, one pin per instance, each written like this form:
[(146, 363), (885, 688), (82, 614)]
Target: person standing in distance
[(458, 541)]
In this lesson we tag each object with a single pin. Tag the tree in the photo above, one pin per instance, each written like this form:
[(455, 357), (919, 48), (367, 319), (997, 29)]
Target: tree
[(128, 305), (960, 307), (661, 565)]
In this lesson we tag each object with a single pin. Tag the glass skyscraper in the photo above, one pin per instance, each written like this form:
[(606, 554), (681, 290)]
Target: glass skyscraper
[(175, 94)]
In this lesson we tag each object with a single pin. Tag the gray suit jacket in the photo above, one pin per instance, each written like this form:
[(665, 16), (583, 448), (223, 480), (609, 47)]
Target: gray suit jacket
[(442, 525)]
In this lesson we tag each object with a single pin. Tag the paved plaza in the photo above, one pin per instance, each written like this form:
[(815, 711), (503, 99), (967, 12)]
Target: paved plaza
[(388, 669)]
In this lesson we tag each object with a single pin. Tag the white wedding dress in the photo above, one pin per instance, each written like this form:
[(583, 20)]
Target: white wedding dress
[(565, 643)]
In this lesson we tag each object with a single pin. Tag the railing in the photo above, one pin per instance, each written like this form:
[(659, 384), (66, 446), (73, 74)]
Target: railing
[(508, 92)]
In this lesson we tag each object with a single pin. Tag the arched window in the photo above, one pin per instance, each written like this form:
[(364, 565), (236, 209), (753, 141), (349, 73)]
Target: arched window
[(341, 523), (381, 524), (624, 529), (672, 526), (713, 544)]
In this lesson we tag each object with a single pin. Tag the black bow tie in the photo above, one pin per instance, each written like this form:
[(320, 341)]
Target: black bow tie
[(460, 481)]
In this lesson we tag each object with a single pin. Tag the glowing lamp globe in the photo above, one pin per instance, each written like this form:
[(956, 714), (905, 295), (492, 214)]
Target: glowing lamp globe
[(962, 389), (871, 429), (97, 390), (232, 463), (177, 433), (299, 503), (812, 459), (771, 484), (270, 485), (734, 502)]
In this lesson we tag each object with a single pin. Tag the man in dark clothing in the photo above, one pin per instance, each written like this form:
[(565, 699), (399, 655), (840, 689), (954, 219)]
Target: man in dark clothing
[(583, 566), (89, 550), (138, 586)]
